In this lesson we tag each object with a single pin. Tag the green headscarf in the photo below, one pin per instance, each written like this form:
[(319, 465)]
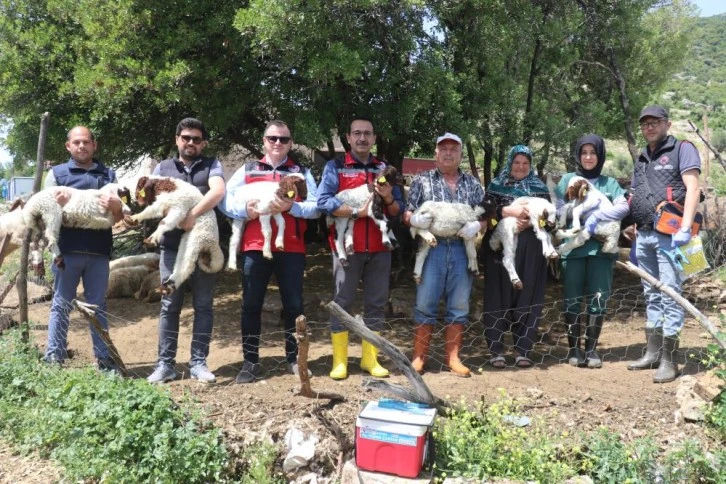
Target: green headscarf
[(530, 185)]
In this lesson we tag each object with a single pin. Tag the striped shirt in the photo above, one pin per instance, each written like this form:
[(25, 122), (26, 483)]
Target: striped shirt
[(431, 186)]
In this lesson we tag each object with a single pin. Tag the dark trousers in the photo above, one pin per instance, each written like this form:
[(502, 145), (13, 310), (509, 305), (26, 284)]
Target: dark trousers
[(289, 269)]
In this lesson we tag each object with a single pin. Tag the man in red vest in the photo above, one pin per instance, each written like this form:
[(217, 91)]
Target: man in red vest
[(371, 262), (288, 265)]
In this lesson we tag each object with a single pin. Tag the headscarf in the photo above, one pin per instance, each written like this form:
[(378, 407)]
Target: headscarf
[(599, 144), (530, 185)]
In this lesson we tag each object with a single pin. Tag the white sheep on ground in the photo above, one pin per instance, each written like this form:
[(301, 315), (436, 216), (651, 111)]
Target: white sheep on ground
[(172, 199), (265, 192), (583, 198), (150, 259), (44, 216), (356, 198), (542, 214), (447, 219), (125, 281)]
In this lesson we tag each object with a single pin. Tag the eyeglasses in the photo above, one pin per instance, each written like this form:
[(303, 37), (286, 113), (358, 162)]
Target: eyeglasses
[(194, 139), (359, 134), (282, 139), (650, 124)]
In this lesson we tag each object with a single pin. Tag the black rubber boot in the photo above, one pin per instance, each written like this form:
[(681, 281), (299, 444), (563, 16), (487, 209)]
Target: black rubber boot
[(668, 369), (592, 335), (574, 355), (654, 345)]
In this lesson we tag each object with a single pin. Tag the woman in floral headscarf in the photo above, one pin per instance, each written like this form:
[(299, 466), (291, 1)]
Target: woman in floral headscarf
[(507, 308)]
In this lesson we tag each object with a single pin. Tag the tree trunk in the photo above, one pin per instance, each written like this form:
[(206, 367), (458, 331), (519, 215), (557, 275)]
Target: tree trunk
[(624, 102), (472, 160)]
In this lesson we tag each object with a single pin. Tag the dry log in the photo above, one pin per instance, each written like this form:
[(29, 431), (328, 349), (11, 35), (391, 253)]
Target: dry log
[(420, 392), (89, 312), (700, 317), (9, 287), (303, 341)]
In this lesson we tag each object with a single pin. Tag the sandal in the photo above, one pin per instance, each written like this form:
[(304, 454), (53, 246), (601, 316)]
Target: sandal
[(523, 362), (498, 362)]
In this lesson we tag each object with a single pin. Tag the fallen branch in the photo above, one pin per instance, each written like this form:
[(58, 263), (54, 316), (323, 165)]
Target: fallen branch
[(421, 392), (709, 145), (703, 320), (301, 334), (9, 287), (89, 312)]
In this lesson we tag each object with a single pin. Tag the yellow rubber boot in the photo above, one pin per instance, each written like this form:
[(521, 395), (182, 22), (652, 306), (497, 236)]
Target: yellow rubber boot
[(340, 355), (369, 360)]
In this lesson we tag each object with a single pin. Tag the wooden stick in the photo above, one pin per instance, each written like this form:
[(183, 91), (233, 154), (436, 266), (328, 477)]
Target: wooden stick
[(708, 145), (89, 311), (421, 392), (703, 320), (301, 334)]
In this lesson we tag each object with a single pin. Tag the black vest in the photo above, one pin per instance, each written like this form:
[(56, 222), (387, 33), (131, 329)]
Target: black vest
[(662, 170), (84, 241), (197, 176)]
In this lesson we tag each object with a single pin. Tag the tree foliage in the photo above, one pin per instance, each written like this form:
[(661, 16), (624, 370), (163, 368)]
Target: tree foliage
[(498, 72)]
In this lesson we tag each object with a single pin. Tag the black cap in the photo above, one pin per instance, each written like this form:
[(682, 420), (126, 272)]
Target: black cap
[(658, 112)]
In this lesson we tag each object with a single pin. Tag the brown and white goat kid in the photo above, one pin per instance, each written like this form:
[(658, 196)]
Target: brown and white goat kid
[(582, 198), (288, 187), (356, 198), (12, 229), (172, 199), (447, 219), (44, 216), (542, 215)]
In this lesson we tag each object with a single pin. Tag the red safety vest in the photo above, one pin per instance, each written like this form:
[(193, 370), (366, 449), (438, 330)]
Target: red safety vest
[(351, 174), (252, 238)]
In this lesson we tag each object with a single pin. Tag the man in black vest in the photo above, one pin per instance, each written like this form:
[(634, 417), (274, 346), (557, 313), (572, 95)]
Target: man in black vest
[(85, 252), (207, 175), (667, 169)]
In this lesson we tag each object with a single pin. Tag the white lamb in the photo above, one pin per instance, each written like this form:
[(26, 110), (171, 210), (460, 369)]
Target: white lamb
[(583, 198), (265, 192), (356, 198), (447, 219), (12, 229), (172, 199), (542, 214), (44, 216)]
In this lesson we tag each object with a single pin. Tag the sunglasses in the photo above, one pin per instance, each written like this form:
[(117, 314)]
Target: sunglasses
[(194, 139), (282, 139)]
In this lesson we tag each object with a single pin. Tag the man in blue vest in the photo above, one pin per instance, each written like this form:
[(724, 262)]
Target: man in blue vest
[(207, 175), (288, 264), (667, 169), (86, 252)]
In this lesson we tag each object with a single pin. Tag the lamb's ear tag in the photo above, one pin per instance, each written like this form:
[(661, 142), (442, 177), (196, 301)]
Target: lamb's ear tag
[(542, 223), (142, 193), (124, 199), (382, 180), (290, 194), (494, 222)]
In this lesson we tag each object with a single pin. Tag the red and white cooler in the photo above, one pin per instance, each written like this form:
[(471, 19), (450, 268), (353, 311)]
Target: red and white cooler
[(392, 440)]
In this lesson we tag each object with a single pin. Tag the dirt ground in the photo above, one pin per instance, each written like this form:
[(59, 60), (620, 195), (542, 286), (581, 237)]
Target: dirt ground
[(566, 398)]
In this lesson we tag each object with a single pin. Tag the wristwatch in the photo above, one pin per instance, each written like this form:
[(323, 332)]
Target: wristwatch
[(685, 229), (354, 215)]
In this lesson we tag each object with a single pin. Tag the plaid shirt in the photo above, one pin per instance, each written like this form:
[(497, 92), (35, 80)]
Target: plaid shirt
[(430, 186)]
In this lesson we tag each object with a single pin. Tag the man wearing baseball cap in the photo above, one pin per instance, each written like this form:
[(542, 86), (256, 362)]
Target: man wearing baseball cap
[(667, 169), (445, 271)]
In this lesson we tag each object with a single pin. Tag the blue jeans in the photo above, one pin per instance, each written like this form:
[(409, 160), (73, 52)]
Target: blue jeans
[(445, 273), (202, 284), (661, 310), (289, 269), (93, 270), (374, 269)]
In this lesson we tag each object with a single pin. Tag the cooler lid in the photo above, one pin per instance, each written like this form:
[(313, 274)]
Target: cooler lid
[(412, 416)]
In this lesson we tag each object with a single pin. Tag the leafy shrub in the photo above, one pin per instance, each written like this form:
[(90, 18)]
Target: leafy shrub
[(689, 463), (605, 458), (101, 427), (480, 443)]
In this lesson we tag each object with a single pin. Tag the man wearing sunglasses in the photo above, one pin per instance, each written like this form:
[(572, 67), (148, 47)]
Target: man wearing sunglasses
[(288, 264), (207, 175), (667, 169), (371, 262)]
